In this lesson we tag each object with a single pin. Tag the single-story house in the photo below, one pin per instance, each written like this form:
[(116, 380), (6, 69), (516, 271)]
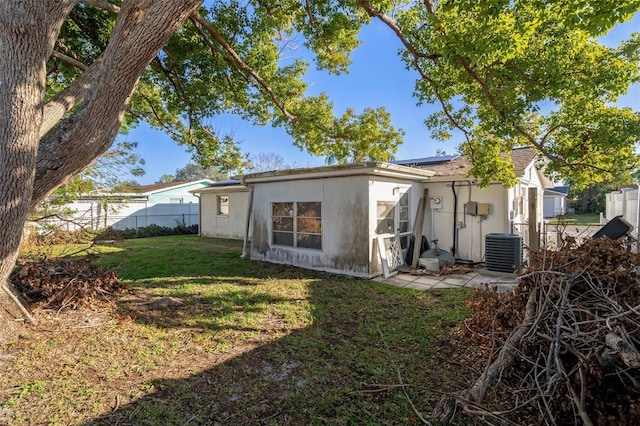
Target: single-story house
[(224, 209), (336, 218), (555, 201), (167, 204)]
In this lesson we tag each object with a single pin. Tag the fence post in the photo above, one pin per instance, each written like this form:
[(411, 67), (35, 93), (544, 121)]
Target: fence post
[(533, 219)]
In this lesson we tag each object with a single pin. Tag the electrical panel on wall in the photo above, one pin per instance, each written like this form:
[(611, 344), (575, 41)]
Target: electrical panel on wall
[(472, 208), (483, 209), (436, 202), (477, 209)]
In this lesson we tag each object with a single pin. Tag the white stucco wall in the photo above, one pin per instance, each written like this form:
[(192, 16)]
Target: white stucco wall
[(345, 229), (224, 226), (471, 230)]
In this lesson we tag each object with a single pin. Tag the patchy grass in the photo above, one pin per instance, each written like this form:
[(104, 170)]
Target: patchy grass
[(254, 343), (577, 219)]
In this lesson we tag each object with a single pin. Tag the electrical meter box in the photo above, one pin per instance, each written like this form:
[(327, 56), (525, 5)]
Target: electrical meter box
[(436, 202)]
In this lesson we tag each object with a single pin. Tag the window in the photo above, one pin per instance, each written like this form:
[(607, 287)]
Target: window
[(223, 205), (404, 230), (386, 217), (297, 224), (393, 218)]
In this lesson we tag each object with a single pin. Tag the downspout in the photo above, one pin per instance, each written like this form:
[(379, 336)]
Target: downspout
[(455, 216), (247, 224)]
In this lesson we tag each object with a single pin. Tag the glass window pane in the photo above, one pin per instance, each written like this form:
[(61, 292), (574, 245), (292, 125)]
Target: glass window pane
[(385, 209), (403, 227), (282, 224), (223, 205), (310, 241), (404, 199), (385, 226), (282, 209), (404, 213), (283, 238), (310, 209), (313, 226)]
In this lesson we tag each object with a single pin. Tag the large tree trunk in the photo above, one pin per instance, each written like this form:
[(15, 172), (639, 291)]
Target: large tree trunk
[(22, 85), (34, 160)]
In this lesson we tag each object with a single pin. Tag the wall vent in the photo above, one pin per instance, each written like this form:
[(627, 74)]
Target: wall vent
[(503, 252)]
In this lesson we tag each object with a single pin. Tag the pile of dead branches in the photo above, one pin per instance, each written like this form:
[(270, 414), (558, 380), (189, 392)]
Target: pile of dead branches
[(65, 283), (564, 348)]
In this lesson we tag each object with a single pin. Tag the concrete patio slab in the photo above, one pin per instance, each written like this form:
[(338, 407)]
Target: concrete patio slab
[(473, 279)]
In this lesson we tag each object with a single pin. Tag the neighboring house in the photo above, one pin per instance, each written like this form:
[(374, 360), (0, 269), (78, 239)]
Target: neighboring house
[(224, 207), (168, 204), (555, 201), (329, 218), (624, 202)]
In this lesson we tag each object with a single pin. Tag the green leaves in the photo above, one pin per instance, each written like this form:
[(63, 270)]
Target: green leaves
[(349, 138), (528, 72), (505, 74), (238, 59)]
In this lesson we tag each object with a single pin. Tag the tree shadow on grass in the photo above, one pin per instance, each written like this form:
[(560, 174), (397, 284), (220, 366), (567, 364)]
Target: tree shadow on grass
[(341, 368)]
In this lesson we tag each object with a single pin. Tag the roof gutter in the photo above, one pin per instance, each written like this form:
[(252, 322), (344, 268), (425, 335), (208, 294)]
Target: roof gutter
[(358, 169)]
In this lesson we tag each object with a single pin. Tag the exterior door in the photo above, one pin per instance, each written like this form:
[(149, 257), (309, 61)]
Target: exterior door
[(393, 218)]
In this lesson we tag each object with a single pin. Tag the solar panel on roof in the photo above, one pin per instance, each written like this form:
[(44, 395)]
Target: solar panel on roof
[(426, 160), (227, 182)]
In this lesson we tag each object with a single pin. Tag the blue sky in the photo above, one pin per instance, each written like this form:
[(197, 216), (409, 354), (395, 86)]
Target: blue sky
[(377, 78)]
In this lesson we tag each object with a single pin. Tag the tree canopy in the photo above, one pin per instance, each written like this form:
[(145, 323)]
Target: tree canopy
[(505, 74), (230, 58), (517, 73)]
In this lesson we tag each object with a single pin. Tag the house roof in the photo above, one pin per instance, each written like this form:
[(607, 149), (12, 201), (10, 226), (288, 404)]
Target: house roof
[(340, 170), (561, 189), (460, 165), (229, 185), (158, 187), (557, 191)]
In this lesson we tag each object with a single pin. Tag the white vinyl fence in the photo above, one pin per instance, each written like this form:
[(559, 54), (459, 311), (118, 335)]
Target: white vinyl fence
[(97, 215), (623, 203)]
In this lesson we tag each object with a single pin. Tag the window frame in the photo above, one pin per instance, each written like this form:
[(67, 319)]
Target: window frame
[(278, 236), (396, 219), (219, 205)]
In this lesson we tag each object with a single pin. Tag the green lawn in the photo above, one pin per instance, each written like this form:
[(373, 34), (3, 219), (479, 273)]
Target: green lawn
[(578, 219), (254, 343)]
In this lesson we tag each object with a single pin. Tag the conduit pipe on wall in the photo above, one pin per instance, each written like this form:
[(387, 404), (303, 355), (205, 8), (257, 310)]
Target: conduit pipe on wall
[(455, 216)]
